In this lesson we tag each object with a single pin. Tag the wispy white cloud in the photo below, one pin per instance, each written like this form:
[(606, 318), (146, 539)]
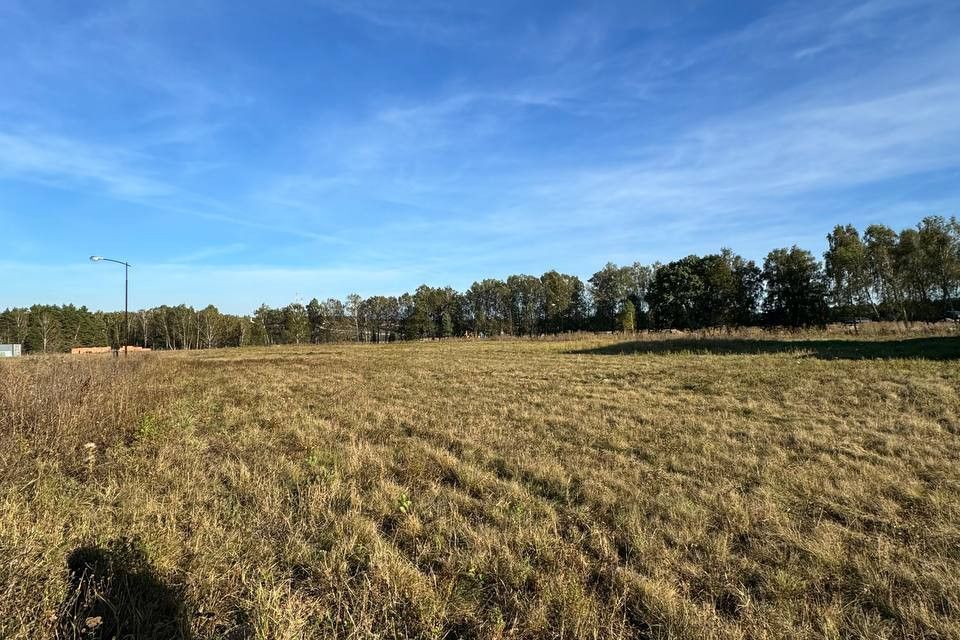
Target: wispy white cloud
[(431, 20), (574, 136), (755, 170), (882, 124), (208, 252), (34, 155), (127, 177)]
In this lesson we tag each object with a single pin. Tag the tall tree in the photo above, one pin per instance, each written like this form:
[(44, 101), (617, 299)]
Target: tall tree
[(338, 326), (381, 315), (675, 293), (796, 288), (488, 304), (420, 321), (210, 326), (564, 301), (527, 301), (914, 271), (848, 271), (939, 240), (609, 288), (269, 325), (353, 310), (142, 320), (886, 281), (641, 276), (315, 318), (628, 317), (748, 287), (296, 324)]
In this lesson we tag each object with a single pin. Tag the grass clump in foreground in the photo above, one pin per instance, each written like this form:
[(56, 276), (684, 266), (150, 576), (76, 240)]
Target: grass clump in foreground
[(485, 489)]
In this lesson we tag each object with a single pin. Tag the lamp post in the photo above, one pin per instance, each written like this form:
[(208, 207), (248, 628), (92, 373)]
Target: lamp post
[(126, 296)]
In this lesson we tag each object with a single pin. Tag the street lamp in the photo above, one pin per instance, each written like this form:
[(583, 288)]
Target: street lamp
[(126, 297)]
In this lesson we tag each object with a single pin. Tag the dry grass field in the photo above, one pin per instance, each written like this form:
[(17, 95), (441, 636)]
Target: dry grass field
[(517, 489)]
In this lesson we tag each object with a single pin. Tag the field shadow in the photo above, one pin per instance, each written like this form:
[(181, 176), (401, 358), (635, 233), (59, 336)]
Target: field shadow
[(938, 348), (113, 592)]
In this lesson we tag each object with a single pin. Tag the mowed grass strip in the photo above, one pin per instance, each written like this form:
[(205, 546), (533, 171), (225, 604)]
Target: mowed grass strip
[(589, 489)]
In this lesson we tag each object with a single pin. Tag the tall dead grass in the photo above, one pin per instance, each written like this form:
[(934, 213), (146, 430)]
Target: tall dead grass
[(54, 408), (471, 489)]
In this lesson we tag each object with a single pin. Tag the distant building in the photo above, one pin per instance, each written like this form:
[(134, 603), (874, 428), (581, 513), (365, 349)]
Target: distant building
[(100, 350), (89, 350), (10, 350)]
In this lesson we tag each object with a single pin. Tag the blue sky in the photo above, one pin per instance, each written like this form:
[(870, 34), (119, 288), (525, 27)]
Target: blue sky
[(242, 152)]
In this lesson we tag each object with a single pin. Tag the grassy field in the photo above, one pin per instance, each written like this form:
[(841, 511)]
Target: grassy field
[(579, 489)]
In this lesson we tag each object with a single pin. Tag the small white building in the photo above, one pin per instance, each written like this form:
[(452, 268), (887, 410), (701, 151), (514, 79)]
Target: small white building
[(9, 350)]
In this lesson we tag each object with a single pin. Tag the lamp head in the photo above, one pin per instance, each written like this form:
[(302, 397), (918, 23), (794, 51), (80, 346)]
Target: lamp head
[(96, 258)]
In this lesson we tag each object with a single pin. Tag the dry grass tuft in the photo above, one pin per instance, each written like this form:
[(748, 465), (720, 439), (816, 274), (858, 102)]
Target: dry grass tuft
[(56, 406), (588, 489)]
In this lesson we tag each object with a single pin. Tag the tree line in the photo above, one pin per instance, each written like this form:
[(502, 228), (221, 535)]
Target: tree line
[(910, 276)]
